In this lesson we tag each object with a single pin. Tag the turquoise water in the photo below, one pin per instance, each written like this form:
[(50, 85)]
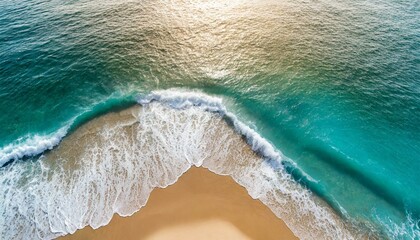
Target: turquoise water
[(333, 85)]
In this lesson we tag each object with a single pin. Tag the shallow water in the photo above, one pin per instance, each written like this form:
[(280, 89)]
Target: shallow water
[(334, 86), (111, 165)]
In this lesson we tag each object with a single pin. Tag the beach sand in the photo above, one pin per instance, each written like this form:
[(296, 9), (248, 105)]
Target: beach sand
[(200, 205)]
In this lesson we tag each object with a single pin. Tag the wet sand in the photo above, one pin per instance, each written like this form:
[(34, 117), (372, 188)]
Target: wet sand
[(200, 205)]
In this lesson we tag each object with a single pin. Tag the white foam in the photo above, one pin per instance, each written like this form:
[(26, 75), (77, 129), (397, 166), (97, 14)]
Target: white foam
[(409, 229), (114, 166), (31, 146), (182, 99)]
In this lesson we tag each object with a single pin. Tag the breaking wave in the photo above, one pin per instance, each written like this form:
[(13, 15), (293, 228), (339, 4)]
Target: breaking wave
[(112, 163), (31, 146)]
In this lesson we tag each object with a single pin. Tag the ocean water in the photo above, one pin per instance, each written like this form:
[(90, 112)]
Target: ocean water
[(326, 92)]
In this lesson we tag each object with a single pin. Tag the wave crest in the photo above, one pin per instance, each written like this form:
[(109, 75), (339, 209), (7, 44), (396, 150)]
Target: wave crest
[(112, 163), (31, 146)]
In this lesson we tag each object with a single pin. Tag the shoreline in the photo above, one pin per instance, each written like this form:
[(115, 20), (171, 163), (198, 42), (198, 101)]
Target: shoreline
[(113, 163), (200, 205)]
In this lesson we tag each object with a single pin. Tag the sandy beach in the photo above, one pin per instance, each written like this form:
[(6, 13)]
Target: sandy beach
[(200, 205)]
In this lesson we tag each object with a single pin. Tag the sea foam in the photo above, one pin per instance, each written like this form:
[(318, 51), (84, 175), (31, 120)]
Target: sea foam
[(31, 146), (179, 99), (112, 163)]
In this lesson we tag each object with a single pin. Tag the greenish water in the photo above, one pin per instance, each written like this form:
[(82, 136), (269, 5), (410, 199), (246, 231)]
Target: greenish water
[(334, 86)]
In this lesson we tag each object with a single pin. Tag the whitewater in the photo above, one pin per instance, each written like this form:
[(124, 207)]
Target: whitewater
[(324, 95), (111, 165)]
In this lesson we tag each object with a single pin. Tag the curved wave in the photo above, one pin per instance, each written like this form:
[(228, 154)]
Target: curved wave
[(112, 163), (179, 99), (30, 146)]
